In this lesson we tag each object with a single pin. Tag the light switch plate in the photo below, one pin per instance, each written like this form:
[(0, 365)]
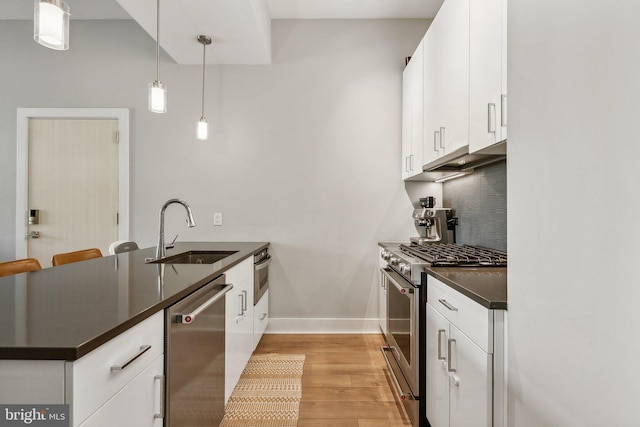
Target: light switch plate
[(217, 218)]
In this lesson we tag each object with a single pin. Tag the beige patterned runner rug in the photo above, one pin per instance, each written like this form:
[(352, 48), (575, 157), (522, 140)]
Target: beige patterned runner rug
[(268, 393)]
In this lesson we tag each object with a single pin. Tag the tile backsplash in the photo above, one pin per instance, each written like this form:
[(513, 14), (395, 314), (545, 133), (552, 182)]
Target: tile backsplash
[(480, 203)]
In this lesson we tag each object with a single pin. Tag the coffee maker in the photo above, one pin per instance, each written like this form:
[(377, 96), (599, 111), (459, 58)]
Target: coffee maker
[(434, 225)]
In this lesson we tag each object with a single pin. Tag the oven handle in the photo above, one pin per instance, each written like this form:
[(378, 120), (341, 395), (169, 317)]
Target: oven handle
[(402, 289), (262, 264)]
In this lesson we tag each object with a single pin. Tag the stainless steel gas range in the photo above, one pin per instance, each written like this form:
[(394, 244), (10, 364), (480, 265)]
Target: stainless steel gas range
[(404, 278)]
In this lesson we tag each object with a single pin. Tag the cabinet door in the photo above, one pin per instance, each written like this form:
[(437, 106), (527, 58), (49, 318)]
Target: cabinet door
[(487, 73), (437, 376), (453, 43), (412, 114), (238, 323), (260, 318), (432, 114), (137, 404), (470, 387)]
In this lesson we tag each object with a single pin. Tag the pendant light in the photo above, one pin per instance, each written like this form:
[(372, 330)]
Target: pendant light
[(51, 24), (202, 129), (157, 91)]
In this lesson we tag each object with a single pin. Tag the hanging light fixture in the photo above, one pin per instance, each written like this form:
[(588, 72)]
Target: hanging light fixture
[(202, 130), (157, 91), (51, 24)]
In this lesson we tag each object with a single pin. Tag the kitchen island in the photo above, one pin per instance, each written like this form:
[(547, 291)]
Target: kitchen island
[(91, 334), (64, 312)]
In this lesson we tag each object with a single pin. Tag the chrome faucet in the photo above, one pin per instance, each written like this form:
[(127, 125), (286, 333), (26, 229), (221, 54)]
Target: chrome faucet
[(161, 250)]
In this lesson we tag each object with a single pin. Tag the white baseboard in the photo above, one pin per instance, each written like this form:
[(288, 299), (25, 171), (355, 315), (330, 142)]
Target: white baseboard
[(322, 326)]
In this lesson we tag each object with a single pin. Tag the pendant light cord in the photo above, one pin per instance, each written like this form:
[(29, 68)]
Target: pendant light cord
[(204, 52), (158, 40)]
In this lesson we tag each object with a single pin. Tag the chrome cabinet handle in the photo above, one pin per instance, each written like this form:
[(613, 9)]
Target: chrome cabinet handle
[(406, 164), (189, 318), (411, 162), (161, 413), (263, 316), (244, 301), (450, 343), (143, 350), (446, 304), (491, 118), (436, 140), (440, 332), (442, 138), (241, 305), (503, 110)]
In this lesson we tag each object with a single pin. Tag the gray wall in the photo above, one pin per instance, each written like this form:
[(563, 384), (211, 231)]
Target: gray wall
[(573, 203), (304, 153), (480, 203)]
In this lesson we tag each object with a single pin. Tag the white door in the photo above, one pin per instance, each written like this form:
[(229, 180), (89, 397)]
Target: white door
[(73, 183)]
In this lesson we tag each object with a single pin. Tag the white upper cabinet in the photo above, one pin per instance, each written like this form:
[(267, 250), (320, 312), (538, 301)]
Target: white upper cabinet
[(463, 82), (488, 77), (446, 77), (412, 112)]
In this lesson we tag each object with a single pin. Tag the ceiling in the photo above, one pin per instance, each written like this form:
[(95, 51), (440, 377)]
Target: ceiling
[(240, 29)]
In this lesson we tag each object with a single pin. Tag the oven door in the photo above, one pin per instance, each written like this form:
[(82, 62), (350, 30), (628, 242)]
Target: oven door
[(401, 354)]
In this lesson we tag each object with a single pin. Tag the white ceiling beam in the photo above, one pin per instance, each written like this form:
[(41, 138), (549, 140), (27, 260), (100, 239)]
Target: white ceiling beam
[(240, 29)]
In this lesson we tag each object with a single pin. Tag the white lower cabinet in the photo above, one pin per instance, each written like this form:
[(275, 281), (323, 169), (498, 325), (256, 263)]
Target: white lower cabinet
[(138, 404), (99, 375), (119, 383), (238, 324), (260, 318), (464, 376), (459, 377)]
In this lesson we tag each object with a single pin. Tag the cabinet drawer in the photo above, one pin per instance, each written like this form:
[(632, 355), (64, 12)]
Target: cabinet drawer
[(93, 381), (241, 272), (467, 315)]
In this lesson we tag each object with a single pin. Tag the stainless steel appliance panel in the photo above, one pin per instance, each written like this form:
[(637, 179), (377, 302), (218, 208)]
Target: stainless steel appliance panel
[(403, 338), (261, 262), (195, 355)]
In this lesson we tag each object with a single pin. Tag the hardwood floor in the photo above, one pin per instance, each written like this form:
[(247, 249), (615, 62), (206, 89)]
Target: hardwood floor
[(345, 381)]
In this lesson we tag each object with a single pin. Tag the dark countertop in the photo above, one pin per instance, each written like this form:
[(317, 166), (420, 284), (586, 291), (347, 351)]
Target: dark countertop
[(64, 312), (485, 285)]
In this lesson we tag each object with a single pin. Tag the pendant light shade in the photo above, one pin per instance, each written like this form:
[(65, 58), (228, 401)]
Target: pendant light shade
[(157, 91), (157, 97), (202, 129), (51, 24)]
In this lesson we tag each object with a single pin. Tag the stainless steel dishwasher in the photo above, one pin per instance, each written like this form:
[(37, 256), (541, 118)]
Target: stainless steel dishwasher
[(194, 342)]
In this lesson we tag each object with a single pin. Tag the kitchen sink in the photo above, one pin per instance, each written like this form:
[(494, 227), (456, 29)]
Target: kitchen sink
[(195, 257)]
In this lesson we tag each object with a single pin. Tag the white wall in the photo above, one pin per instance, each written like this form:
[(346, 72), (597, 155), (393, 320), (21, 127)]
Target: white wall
[(304, 153), (573, 210)]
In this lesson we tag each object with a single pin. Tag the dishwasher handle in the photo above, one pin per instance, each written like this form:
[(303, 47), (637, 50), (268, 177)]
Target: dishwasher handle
[(190, 317)]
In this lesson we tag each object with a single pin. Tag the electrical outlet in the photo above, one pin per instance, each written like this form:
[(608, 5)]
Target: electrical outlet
[(217, 218)]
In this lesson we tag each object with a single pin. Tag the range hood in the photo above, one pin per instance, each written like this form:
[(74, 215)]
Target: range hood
[(461, 162)]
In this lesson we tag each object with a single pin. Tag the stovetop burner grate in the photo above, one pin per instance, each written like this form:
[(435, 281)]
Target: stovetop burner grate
[(450, 255)]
